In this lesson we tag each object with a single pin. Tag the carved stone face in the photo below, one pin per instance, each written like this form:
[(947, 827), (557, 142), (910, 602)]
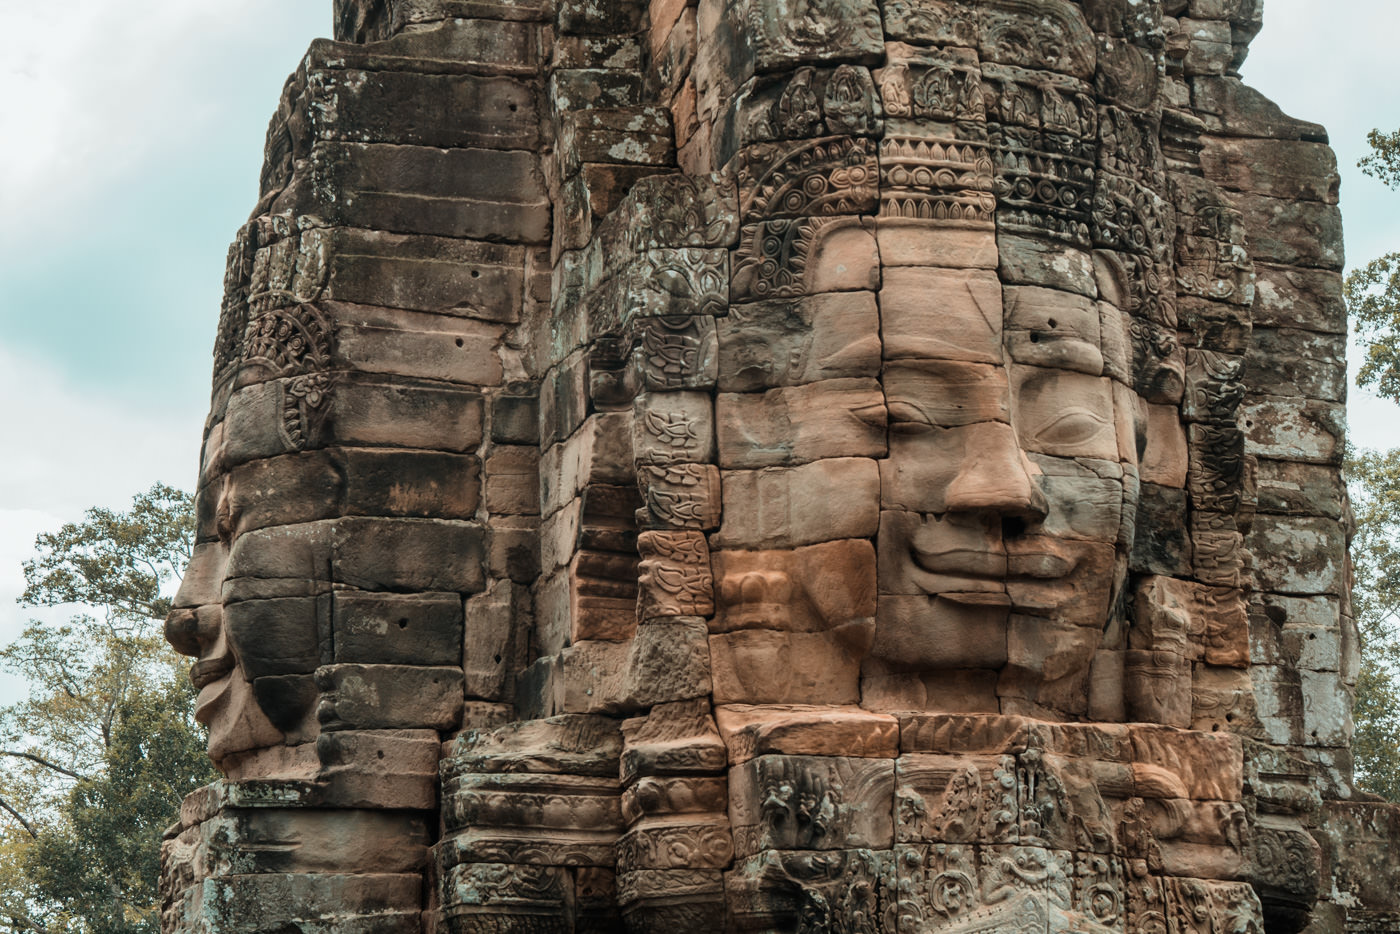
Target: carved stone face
[(1012, 460), (195, 627), (999, 186)]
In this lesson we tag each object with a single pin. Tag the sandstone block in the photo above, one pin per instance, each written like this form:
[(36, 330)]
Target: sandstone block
[(629, 135), (409, 554), (284, 636), (389, 697), (674, 575), (1291, 488), (320, 902), (471, 193), (1288, 170), (402, 629), (599, 453), (380, 769), (433, 274), (576, 88), (668, 660), (825, 500), (445, 111), (493, 644), (1306, 430), (294, 488), (512, 484), (420, 484), (814, 256), (515, 418), (1293, 233), (407, 343), (929, 313), (1291, 297), (478, 42), (751, 41), (1289, 362), (573, 744), (1236, 109), (404, 412), (795, 730), (702, 842), (686, 496), (768, 667), (678, 738), (808, 589), (1164, 460), (1031, 261), (800, 424), (789, 342), (921, 243), (1297, 555)]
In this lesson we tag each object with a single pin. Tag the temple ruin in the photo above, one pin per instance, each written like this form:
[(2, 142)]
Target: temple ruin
[(822, 466)]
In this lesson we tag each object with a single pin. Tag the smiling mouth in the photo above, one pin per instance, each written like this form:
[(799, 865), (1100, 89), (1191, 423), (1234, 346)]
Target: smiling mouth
[(208, 670), (981, 578), (961, 562)]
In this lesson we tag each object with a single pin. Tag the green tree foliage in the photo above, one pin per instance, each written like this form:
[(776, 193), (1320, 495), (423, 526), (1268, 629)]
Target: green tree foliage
[(94, 763), (1373, 291), (1375, 490), (1373, 300)]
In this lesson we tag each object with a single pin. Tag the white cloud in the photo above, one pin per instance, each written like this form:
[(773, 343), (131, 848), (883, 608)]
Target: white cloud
[(66, 451), (91, 86)]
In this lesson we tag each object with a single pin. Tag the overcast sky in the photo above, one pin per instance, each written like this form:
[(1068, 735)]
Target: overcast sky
[(130, 143)]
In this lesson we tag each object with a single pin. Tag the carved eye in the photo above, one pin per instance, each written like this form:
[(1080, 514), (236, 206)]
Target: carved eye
[(907, 419), (876, 416), (1072, 428)]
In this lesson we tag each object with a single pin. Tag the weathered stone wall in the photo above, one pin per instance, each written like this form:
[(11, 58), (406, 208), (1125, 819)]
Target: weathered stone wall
[(779, 465)]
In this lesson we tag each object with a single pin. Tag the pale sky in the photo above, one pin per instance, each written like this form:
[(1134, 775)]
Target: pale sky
[(130, 143)]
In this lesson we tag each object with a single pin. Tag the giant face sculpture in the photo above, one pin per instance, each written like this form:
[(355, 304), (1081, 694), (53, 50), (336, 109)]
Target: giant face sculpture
[(851, 388), (967, 250), (998, 184)]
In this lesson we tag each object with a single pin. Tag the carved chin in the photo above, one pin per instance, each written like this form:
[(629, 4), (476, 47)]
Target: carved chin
[(236, 724)]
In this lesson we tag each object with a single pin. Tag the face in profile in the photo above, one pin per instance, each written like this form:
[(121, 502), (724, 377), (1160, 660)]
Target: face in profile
[(226, 705)]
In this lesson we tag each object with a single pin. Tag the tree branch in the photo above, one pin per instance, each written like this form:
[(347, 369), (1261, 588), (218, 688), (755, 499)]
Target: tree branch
[(25, 922), (44, 762), (23, 821)]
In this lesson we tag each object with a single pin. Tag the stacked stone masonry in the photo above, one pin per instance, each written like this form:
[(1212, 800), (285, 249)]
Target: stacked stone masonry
[(842, 466)]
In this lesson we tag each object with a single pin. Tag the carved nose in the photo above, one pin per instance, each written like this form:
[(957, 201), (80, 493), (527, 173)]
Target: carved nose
[(994, 477), (193, 631), (182, 631)]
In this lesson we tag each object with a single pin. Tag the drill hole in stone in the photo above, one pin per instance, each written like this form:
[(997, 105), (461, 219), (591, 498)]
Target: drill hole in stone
[(403, 624), (476, 273), (459, 342)]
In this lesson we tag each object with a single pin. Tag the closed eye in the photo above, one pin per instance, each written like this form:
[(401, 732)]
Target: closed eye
[(907, 418), (1072, 428)]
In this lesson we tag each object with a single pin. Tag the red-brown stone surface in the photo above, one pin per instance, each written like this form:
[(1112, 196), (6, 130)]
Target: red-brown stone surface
[(843, 466)]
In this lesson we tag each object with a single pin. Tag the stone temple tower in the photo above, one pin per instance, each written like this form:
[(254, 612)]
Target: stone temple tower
[(841, 466)]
